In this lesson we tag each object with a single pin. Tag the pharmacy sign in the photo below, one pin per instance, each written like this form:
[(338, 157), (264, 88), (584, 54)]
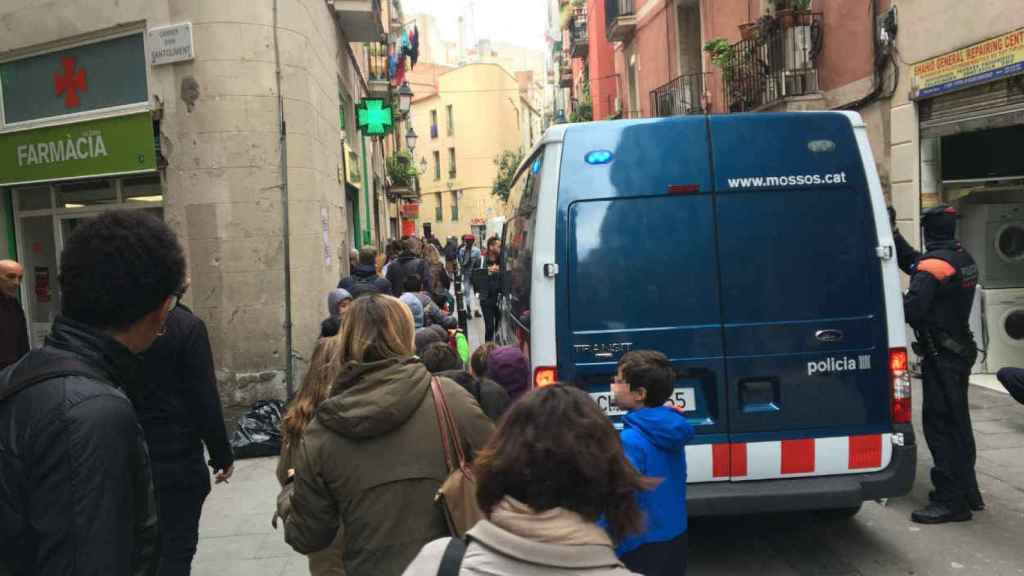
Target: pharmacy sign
[(121, 145)]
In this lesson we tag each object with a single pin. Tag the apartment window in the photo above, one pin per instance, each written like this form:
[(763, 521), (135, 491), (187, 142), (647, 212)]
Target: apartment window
[(433, 124), (451, 120), (437, 165), (451, 163), (455, 205), (439, 208)]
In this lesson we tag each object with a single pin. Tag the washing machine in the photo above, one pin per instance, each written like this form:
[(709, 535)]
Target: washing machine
[(994, 235), (1004, 321)]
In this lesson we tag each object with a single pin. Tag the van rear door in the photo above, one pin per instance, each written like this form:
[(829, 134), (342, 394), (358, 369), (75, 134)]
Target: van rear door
[(805, 343), (641, 271)]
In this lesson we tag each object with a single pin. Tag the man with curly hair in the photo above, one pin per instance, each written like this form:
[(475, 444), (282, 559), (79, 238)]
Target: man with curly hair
[(77, 494)]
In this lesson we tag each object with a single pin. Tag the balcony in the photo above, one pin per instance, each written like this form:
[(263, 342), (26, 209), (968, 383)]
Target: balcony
[(579, 37), (681, 97), (620, 20), (778, 64), (378, 78), (565, 74), (360, 20)]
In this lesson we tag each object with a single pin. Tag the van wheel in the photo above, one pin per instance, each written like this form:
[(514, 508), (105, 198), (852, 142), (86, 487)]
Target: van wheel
[(839, 514)]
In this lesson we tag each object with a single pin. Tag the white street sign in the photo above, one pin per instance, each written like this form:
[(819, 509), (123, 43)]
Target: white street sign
[(168, 44)]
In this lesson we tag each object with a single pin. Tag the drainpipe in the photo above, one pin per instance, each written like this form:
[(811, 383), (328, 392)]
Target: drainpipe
[(289, 373)]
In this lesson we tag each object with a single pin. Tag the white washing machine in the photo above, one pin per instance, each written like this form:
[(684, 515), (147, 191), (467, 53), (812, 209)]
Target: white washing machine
[(994, 235), (1004, 321)]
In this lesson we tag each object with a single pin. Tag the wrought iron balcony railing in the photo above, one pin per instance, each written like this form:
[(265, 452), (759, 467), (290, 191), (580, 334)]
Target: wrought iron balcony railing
[(682, 96), (778, 63)]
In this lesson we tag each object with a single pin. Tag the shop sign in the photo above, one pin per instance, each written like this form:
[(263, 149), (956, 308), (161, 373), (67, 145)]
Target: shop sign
[(351, 160), (103, 147), (169, 44), (983, 62), (411, 210), (80, 79)]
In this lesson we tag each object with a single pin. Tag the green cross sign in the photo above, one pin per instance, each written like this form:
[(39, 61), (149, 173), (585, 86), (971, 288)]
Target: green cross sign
[(374, 118)]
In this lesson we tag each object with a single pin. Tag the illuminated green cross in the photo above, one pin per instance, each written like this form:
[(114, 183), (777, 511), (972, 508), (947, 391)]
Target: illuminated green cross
[(374, 118)]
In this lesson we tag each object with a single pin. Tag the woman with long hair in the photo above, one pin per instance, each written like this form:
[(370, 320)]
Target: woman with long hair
[(442, 282), (372, 459), (316, 387), (553, 468)]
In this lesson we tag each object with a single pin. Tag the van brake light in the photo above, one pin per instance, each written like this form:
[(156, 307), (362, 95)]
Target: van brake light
[(901, 401), (544, 376)]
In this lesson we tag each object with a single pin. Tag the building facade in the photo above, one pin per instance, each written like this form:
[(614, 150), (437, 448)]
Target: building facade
[(477, 112), (234, 122)]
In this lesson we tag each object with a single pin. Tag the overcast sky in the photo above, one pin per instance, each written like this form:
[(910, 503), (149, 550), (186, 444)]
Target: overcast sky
[(520, 22)]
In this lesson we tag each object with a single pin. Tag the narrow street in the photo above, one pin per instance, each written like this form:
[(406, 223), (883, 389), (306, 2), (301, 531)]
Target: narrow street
[(236, 537)]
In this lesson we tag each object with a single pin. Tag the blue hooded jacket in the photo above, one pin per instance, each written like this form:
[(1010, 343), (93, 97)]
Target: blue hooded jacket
[(654, 440)]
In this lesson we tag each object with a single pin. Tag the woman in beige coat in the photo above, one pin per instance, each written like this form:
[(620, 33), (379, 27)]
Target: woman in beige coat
[(553, 468)]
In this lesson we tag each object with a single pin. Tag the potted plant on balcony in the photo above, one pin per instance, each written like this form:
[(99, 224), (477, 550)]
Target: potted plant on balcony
[(723, 55), (402, 172), (748, 30), (792, 13)]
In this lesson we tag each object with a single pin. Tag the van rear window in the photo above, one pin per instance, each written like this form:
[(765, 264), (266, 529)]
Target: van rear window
[(643, 263), (790, 255)]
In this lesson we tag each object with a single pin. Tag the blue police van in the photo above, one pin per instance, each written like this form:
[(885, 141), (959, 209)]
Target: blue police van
[(755, 251)]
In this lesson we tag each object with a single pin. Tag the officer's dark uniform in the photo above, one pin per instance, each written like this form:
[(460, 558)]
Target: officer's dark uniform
[(938, 306)]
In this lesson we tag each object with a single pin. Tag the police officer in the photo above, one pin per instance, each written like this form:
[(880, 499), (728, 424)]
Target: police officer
[(938, 306)]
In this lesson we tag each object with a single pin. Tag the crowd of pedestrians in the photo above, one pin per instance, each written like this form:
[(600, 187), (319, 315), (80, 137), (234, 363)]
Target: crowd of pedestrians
[(112, 430)]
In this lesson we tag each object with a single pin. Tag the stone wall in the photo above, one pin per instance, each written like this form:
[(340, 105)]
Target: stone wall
[(219, 133)]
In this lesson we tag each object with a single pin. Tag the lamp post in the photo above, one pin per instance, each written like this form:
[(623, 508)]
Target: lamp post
[(404, 98), (410, 139)]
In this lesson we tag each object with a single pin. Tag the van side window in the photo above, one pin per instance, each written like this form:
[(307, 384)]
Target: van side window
[(519, 232)]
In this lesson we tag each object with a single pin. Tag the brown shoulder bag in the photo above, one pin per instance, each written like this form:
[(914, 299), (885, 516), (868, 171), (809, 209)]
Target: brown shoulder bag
[(457, 496)]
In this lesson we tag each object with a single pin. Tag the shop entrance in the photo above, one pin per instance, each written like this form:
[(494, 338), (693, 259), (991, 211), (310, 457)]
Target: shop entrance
[(45, 215)]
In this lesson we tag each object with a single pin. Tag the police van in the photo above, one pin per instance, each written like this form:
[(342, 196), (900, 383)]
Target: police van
[(755, 251)]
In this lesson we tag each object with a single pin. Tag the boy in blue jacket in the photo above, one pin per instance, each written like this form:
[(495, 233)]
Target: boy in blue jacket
[(654, 437)]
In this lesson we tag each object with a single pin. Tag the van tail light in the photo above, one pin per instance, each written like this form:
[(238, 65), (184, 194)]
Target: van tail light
[(544, 376), (901, 391)]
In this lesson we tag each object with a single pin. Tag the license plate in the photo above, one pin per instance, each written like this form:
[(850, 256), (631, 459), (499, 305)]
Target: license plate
[(685, 397)]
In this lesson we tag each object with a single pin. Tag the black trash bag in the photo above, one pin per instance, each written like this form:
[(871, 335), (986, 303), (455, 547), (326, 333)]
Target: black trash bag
[(259, 431)]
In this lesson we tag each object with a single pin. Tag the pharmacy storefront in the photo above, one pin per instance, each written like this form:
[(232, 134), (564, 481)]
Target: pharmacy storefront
[(76, 138)]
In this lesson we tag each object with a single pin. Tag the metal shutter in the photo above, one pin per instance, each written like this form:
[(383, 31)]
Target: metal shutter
[(993, 105)]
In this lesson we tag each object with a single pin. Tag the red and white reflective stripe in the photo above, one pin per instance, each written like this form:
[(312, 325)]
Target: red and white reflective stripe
[(788, 458)]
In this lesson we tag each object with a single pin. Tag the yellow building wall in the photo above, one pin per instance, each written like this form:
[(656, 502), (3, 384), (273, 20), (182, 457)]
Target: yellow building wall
[(486, 108)]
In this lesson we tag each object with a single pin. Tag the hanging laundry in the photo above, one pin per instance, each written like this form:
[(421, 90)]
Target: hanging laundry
[(414, 56), (392, 64), (400, 71)]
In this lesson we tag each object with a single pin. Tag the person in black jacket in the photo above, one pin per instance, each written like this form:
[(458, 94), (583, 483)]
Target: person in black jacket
[(490, 285), (13, 327), (937, 305), (451, 254), (409, 262), (76, 495), (441, 360), (180, 411), (364, 278)]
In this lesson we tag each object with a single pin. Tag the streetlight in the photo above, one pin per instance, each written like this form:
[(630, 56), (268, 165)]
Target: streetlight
[(404, 98), (410, 138)]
